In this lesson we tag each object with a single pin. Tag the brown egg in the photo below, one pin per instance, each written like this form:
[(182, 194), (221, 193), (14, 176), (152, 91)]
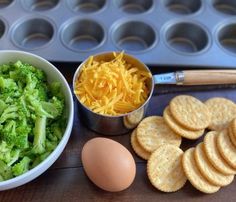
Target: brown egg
[(108, 164)]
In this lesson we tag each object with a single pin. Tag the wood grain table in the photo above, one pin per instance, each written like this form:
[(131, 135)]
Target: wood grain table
[(65, 180)]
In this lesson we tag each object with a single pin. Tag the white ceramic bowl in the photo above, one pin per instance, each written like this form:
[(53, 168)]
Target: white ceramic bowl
[(53, 75)]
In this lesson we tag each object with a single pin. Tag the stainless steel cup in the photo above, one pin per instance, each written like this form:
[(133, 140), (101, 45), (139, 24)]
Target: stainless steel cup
[(107, 124)]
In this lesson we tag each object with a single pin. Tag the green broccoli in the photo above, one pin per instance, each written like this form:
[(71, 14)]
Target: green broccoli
[(21, 167), (39, 135), (32, 118), (54, 107), (8, 132), (55, 90), (36, 106), (23, 110), (14, 135), (42, 91), (13, 156), (51, 145), (3, 106), (1, 178), (40, 158), (7, 84), (5, 68), (9, 113), (5, 171), (54, 131)]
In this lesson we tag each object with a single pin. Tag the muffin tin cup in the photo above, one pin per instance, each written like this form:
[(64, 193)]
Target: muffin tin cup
[(134, 6), (159, 33), (5, 3), (2, 28), (226, 37), (227, 7), (183, 7), (82, 35), (39, 5), (186, 37), (134, 36), (86, 6), (32, 33)]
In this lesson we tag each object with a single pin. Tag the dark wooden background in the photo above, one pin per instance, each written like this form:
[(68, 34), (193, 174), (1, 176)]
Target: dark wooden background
[(66, 180)]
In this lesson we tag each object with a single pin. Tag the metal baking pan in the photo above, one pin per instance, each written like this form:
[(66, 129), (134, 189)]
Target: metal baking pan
[(197, 33)]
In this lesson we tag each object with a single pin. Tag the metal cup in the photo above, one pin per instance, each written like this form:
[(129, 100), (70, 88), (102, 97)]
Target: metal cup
[(107, 124)]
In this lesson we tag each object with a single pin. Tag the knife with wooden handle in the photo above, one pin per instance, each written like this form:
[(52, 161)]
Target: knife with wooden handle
[(197, 77)]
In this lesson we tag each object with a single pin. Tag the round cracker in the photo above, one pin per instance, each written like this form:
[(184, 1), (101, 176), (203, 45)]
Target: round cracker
[(231, 135), (208, 171), (190, 112), (194, 175), (171, 122), (226, 148), (164, 168), (153, 131), (137, 147), (214, 155), (222, 112)]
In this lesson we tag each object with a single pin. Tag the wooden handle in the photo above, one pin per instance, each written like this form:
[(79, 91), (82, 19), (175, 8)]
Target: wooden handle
[(207, 77)]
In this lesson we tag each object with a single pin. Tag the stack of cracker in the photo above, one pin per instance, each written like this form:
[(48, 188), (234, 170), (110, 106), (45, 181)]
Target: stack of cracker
[(212, 164), (209, 166), (153, 140), (187, 116)]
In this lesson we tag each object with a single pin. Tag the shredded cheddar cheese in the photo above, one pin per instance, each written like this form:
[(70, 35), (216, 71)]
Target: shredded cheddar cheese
[(112, 88)]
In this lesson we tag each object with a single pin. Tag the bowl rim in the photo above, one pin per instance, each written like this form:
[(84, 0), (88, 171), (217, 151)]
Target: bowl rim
[(53, 156)]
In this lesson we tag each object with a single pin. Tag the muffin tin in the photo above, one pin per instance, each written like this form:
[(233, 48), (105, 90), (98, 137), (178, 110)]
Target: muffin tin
[(199, 33)]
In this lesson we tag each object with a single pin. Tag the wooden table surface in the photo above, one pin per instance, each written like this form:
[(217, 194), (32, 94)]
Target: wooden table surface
[(65, 180)]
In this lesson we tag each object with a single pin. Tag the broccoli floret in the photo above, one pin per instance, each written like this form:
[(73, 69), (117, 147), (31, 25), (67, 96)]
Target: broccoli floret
[(54, 107), (40, 75), (14, 135), (39, 135), (31, 82), (7, 84), (50, 145), (3, 106), (22, 141), (54, 131), (9, 113), (8, 88), (22, 70), (1, 178), (40, 158), (55, 90), (5, 152), (4, 69), (18, 65), (28, 75), (5, 171), (13, 156), (42, 92), (23, 111), (4, 147), (8, 154), (51, 109), (35, 105), (21, 167), (8, 132)]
